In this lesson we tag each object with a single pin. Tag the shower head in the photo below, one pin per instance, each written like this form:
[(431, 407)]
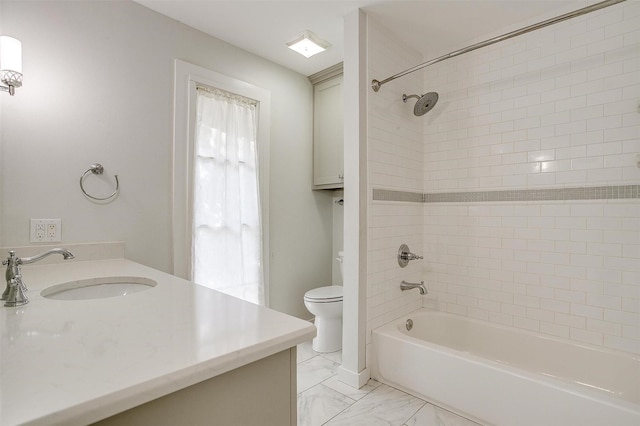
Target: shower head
[(424, 103)]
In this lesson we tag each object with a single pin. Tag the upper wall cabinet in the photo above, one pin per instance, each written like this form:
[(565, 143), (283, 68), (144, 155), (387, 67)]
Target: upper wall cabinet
[(328, 162)]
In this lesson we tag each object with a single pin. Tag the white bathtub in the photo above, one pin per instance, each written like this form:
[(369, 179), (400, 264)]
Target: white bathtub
[(502, 376)]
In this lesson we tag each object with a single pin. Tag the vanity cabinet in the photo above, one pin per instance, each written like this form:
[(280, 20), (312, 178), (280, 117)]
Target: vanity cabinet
[(261, 393), (176, 354), (328, 161)]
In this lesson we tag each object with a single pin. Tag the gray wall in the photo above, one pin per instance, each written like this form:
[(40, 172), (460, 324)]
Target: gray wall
[(98, 87)]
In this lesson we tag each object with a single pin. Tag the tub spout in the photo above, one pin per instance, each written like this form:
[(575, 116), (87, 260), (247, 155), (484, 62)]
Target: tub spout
[(408, 286)]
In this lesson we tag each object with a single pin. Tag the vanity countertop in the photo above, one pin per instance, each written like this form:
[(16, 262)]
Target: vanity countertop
[(76, 362)]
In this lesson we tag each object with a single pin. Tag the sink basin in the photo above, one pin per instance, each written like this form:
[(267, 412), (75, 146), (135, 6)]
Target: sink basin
[(98, 288)]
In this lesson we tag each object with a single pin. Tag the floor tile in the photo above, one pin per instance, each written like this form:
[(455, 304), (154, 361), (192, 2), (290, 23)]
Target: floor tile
[(430, 415), (333, 356), (315, 371), (305, 352), (319, 404), (383, 406), (347, 390)]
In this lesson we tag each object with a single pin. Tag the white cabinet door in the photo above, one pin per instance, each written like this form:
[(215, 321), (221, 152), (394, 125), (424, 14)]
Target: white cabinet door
[(328, 163)]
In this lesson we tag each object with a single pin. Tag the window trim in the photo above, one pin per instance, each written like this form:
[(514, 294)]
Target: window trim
[(186, 77)]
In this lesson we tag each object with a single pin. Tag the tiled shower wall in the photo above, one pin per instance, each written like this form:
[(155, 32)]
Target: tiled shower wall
[(556, 108), (395, 161)]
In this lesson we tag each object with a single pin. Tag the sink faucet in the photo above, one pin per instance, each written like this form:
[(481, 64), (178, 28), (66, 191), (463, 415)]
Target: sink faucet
[(13, 294), (408, 286)]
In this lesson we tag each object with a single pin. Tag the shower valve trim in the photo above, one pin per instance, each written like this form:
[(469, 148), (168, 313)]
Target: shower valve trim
[(405, 255)]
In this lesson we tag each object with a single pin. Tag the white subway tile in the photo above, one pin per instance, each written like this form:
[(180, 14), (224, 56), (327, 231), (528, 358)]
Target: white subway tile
[(621, 81), (571, 247), (555, 166), (585, 336), (605, 97), (501, 318), (601, 249), (587, 311), (570, 271), (582, 40), (572, 321), (606, 18), (605, 45), (604, 175), (571, 152), (575, 127), (546, 179), (526, 323), (621, 317), (631, 91), (573, 177), (567, 103), (554, 305), (571, 79), (592, 86), (602, 301), (587, 286), (588, 113), (631, 250), (554, 329), (631, 304), (605, 71), (631, 278)]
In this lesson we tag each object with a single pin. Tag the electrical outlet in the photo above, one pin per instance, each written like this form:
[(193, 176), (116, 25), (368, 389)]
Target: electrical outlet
[(45, 230)]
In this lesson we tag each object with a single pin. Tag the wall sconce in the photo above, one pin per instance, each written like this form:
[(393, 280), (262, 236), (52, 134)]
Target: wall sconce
[(10, 64), (308, 44)]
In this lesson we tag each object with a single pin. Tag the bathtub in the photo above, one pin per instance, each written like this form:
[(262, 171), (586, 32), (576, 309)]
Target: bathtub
[(503, 376)]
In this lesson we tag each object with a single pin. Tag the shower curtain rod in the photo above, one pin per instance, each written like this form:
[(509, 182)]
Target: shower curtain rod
[(375, 84)]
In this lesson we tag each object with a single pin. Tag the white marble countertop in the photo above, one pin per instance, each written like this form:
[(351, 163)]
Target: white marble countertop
[(76, 362)]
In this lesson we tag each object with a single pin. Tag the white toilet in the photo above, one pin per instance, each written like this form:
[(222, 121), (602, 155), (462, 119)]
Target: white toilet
[(326, 304)]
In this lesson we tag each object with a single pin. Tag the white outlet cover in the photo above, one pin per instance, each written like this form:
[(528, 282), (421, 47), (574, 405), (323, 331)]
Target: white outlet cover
[(45, 231)]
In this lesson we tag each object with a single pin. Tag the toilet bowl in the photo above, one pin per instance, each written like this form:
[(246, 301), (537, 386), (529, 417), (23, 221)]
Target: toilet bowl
[(325, 303)]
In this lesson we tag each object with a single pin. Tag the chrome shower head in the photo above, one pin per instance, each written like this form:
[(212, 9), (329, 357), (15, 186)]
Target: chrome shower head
[(424, 104)]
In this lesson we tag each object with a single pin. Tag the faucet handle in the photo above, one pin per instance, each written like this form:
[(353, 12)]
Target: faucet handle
[(12, 258), (405, 255)]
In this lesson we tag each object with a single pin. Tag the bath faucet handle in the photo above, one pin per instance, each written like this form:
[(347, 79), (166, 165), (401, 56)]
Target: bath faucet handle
[(11, 260), (405, 255)]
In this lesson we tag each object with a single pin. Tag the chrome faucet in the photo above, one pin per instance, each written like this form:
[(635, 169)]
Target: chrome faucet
[(408, 286), (14, 293)]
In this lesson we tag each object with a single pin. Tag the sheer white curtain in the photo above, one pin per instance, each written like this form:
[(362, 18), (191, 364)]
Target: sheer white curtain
[(227, 247)]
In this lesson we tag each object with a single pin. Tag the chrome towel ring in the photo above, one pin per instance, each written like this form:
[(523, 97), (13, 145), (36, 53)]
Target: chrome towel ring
[(97, 169)]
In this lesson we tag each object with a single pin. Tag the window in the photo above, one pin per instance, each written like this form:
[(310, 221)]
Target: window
[(220, 151)]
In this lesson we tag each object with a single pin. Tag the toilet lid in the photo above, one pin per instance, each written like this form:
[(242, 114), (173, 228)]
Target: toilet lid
[(330, 293)]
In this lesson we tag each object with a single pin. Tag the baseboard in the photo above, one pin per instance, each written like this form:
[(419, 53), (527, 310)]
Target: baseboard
[(355, 380)]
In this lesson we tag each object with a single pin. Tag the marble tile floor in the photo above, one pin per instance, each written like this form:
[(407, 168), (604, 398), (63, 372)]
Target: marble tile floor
[(324, 400)]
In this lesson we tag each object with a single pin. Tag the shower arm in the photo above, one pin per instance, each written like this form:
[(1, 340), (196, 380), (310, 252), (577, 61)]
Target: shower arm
[(375, 84), (405, 97)]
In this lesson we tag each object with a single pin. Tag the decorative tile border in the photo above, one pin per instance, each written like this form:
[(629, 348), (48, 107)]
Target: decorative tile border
[(578, 193), (388, 195)]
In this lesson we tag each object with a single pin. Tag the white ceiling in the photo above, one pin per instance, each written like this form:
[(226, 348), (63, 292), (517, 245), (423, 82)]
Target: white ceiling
[(432, 27)]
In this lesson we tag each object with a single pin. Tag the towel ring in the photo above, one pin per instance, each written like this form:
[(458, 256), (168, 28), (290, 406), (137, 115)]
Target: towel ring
[(97, 169)]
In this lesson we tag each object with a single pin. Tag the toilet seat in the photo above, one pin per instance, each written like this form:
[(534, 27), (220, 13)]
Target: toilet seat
[(327, 294)]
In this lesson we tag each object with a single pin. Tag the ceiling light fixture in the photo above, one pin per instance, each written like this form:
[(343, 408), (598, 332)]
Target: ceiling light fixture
[(10, 64), (308, 44)]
